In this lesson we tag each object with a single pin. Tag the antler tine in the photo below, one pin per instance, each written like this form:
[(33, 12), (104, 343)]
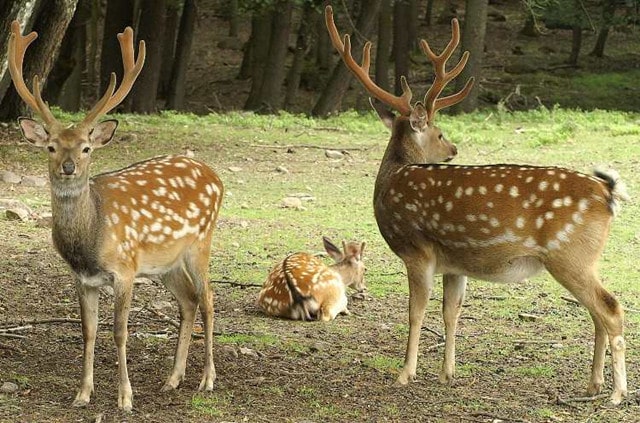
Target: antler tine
[(400, 103), (18, 45), (132, 68), (442, 77)]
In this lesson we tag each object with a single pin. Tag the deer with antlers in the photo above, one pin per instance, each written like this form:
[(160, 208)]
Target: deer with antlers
[(499, 223), (155, 217)]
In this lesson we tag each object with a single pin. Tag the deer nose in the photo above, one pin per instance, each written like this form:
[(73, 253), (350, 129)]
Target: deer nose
[(68, 167)]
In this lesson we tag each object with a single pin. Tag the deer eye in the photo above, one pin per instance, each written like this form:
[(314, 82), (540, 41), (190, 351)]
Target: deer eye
[(440, 137), (51, 149), (86, 150)]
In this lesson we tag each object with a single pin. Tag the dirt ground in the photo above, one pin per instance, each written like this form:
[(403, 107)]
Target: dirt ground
[(271, 370)]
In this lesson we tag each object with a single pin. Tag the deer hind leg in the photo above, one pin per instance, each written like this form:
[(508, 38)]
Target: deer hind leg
[(454, 287), (608, 319), (178, 282), (420, 273), (89, 312), (122, 291)]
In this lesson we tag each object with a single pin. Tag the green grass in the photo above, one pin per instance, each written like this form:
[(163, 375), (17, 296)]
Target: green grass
[(210, 405)]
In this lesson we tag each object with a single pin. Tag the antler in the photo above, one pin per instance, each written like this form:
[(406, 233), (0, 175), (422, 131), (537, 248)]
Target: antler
[(132, 68), (442, 77), (400, 103), (18, 45)]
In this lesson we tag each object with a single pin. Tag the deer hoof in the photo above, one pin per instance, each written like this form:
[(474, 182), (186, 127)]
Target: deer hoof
[(616, 397), (404, 379), (80, 402)]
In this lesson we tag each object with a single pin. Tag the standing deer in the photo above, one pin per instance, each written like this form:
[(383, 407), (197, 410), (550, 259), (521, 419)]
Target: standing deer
[(500, 223), (154, 217), (302, 287)]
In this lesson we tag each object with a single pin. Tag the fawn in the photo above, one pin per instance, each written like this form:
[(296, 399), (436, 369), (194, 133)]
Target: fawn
[(302, 287), (499, 223), (154, 217)]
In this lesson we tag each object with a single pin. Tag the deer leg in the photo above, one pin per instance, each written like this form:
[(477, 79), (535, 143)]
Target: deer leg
[(420, 274), (608, 318), (88, 297), (454, 287), (178, 282), (122, 292), (206, 309)]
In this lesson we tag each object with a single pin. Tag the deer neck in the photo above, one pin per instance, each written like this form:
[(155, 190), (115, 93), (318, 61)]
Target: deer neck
[(345, 271), (403, 149), (76, 227)]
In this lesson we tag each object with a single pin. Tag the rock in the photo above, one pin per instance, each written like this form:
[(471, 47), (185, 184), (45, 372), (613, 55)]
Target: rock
[(235, 169), (129, 138), (333, 154), (249, 352), (9, 388), (282, 169), (292, 203), (33, 181), (161, 305), (9, 177), (230, 351), (526, 317), (44, 220), (10, 203), (17, 214)]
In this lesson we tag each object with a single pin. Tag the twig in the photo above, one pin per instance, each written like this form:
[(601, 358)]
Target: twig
[(16, 329), (317, 147), (433, 331), (497, 418), (570, 299), (590, 399), (233, 283), (435, 346), (11, 335), (172, 322), (47, 321), (535, 341)]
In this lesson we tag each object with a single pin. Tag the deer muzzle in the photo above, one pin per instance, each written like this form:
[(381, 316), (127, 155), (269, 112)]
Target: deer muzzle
[(68, 168)]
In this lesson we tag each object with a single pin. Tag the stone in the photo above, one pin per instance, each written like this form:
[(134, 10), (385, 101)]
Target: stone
[(17, 214), (9, 388), (292, 203), (235, 169), (282, 169), (34, 181), (9, 177), (333, 154)]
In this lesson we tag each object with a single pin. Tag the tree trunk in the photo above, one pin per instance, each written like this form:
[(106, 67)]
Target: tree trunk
[(175, 99), (151, 29), (260, 35), (413, 25), (275, 70), (119, 15), (576, 45), (428, 17), (340, 78), (608, 13), (51, 25), (401, 43), (93, 60), (473, 34), (25, 11), (171, 24), (307, 23), (247, 58), (64, 83), (385, 31), (234, 19), (323, 48)]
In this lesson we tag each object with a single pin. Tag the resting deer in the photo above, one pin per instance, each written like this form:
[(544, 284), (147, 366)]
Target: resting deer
[(302, 287), (499, 223), (154, 217)]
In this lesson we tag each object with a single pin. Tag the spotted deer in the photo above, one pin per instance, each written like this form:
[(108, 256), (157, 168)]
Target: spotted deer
[(500, 223), (154, 217), (302, 287)]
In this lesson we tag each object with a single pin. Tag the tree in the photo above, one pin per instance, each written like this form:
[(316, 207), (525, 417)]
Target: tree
[(341, 77), (151, 29), (51, 24), (307, 24), (608, 14), (473, 34), (119, 15), (171, 24), (175, 98), (401, 42), (258, 50), (385, 31)]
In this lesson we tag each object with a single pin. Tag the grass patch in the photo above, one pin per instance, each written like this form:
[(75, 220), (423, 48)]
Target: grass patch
[(209, 404)]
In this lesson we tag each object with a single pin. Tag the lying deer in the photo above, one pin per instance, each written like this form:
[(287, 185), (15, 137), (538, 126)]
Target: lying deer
[(499, 223), (154, 217), (302, 287)]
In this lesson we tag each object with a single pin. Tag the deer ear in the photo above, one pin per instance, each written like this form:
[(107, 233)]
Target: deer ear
[(332, 250), (386, 116), (102, 133), (33, 132)]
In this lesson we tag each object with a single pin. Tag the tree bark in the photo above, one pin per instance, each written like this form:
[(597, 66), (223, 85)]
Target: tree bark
[(25, 11), (307, 23), (119, 15), (51, 25), (172, 21), (428, 17), (260, 36), (608, 13), (323, 47), (473, 35), (234, 20), (175, 99), (401, 43), (340, 79), (151, 29), (576, 44), (385, 31)]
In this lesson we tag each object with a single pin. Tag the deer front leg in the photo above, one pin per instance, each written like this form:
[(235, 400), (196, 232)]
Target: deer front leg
[(122, 293), (454, 287), (420, 273), (88, 297)]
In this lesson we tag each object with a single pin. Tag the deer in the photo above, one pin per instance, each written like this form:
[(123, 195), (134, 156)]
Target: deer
[(152, 218), (302, 287), (500, 223)]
